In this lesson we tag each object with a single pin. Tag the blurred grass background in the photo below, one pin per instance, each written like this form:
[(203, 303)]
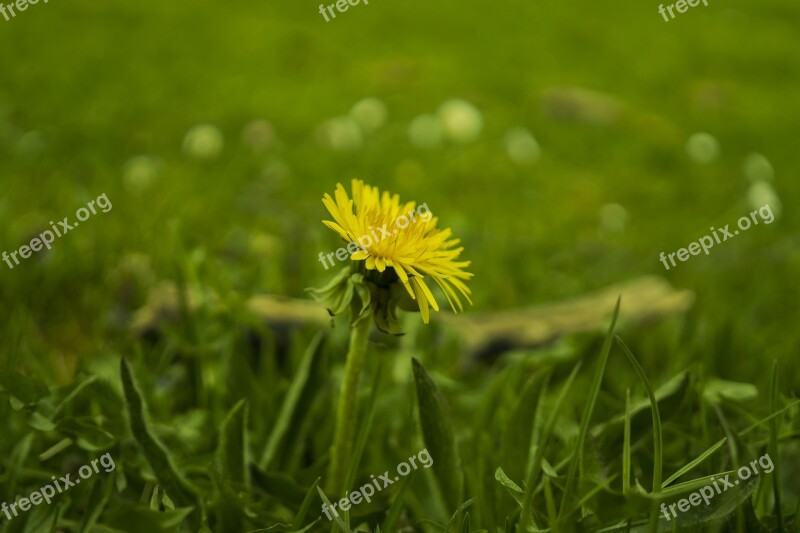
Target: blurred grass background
[(86, 87)]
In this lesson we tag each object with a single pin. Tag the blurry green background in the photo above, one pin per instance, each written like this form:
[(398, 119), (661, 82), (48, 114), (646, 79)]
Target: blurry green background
[(98, 97), (88, 86)]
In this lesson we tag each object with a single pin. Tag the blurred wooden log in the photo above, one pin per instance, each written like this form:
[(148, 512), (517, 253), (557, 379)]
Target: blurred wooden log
[(288, 312), (163, 306), (644, 299)]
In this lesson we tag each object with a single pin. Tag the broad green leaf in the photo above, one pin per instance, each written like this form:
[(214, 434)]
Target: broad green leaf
[(178, 488), (437, 431), (514, 490)]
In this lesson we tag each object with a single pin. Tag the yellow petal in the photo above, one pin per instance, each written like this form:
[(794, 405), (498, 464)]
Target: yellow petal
[(427, 292), (421, 301)]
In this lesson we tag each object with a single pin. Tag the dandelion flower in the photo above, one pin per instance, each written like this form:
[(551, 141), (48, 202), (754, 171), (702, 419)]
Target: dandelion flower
[(394, 241)]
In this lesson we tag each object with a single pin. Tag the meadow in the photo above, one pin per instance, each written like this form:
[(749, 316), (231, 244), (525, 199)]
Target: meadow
[(566, 145)]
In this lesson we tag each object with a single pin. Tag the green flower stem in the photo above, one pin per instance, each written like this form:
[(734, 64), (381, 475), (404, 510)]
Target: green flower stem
[(346, 409)]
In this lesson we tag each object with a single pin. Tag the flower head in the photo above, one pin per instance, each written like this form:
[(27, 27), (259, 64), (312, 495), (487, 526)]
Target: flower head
[(393, 241)]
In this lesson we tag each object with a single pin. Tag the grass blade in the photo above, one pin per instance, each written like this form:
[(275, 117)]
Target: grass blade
[(336, 517), (393, 514), (518, 435), (657, 437), (305, 506), (535, 463), (232, 449), (768, 418), (289, 404), (366, 425), (774, 427), (594, 392), (691, 465), (626, 447)]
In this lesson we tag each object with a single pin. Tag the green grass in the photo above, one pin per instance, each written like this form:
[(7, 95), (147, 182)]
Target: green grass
[(219, 423)]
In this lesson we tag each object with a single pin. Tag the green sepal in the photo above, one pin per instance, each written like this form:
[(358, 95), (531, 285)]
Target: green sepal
[(386, 302), (347, 290), (336, 295), (364, 292)]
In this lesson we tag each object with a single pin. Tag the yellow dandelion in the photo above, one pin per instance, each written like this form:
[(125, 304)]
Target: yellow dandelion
[(399, 241)]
